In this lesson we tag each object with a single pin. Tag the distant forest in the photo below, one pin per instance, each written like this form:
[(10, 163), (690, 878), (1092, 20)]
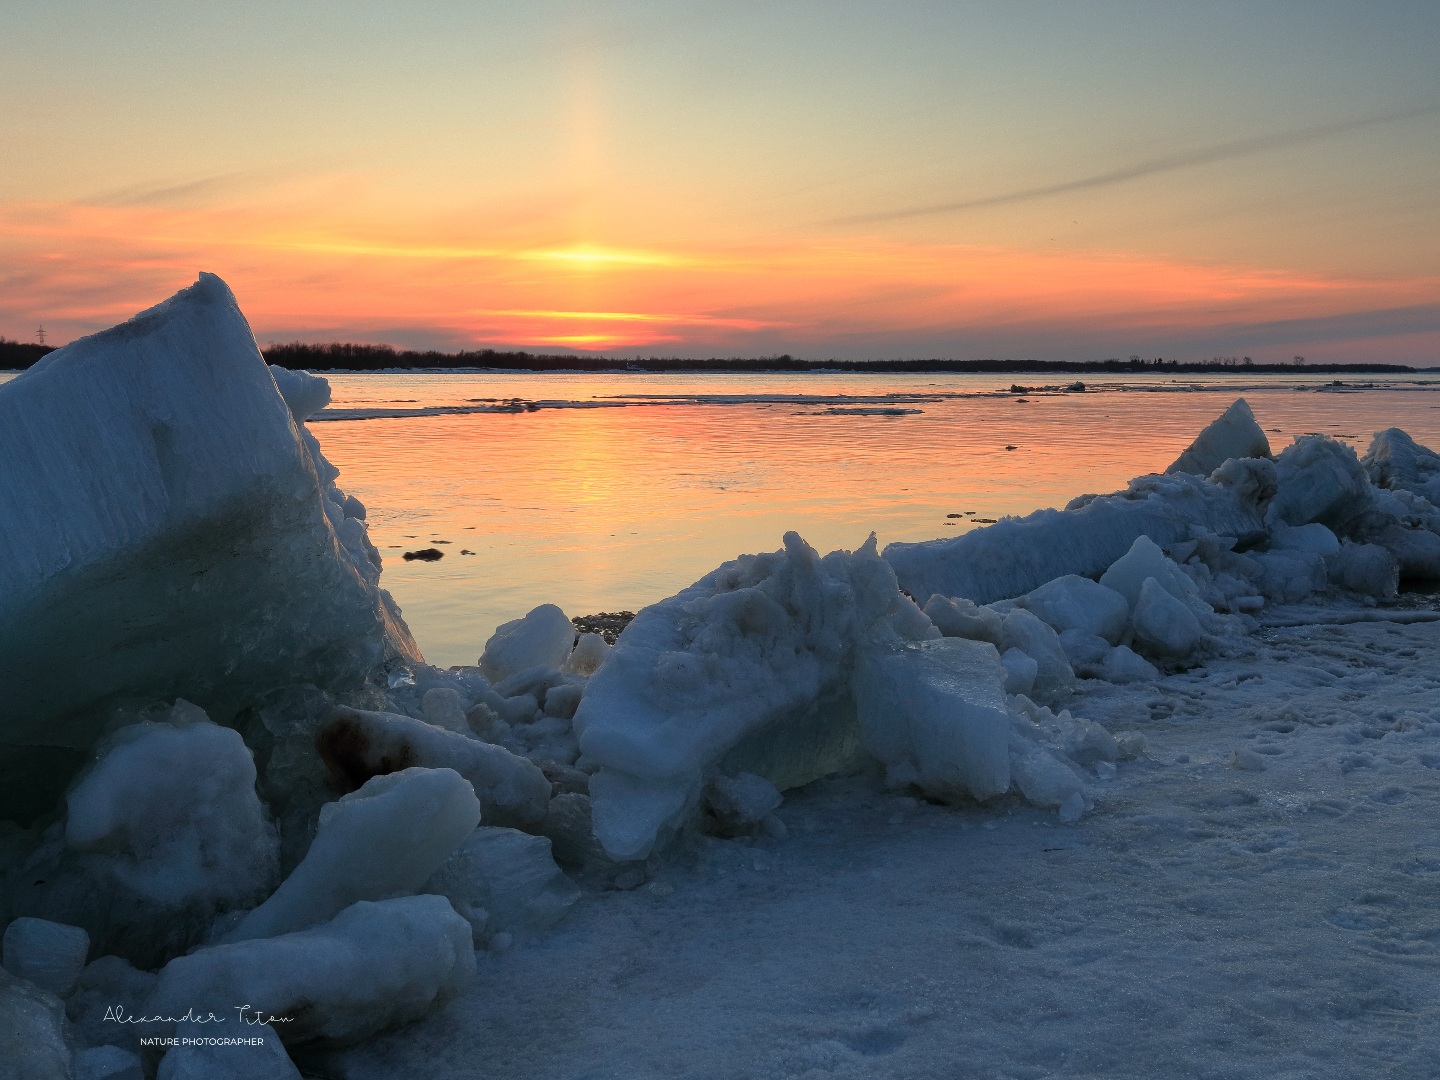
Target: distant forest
[(347, 357), (378, 357)]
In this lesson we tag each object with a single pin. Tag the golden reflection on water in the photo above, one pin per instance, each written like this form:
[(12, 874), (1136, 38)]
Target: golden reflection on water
[(605, 508)]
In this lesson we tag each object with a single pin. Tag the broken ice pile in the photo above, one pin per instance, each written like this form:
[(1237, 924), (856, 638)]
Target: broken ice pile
[(231, 776)]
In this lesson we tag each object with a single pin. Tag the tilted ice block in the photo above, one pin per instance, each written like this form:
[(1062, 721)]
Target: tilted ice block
[(164, 532), (1054, 677), (1017, 555), (1124, 665), (1077, 603), (746, 670), (382, 841), (372, 966), (1321, 480), (543, 638), (1164, 626), (1145, 560), (1395, 460), (509, 878), (1233, 434), (357, 745), (958, 617), (933, 712), (49, 954), (162, 834)]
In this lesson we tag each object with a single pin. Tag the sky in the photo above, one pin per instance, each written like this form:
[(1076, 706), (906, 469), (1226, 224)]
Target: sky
[(1046, 179)]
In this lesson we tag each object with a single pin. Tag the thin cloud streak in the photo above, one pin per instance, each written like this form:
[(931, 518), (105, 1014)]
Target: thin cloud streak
[(1225, 151)]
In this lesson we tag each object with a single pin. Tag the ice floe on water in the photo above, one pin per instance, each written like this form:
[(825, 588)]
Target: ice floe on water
[(1042, 798)]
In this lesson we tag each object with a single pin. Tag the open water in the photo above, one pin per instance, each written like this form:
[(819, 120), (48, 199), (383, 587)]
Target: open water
[(607, 492)]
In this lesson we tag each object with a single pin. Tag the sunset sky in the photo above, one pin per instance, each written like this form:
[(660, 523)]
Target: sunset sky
[(1055, 180)]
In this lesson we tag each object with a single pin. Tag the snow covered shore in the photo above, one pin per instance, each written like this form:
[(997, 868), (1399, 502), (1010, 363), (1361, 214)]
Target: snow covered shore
[(1128, 788)]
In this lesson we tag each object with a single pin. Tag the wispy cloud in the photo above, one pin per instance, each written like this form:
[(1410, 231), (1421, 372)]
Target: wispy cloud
[(1205, 155)]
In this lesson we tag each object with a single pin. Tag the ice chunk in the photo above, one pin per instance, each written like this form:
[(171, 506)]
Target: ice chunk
[(1314, 538), (746, 670), (1145, 560), (1416, 549), (933, 712), (1124, 665), (1365, 569), (358, 745), (382, 841), (49, 954), (1020, 671), (543, 638), (162, 834), (372, 966), (1234, 434), (1086, 652), (1319, 480), (1164, 626), (165, 533), (504, 881), (107, 1063), (32, 1032), (589, 653), (1054, 677), (1289, 575), (1076, 603), (958, 617), (210, 1052), (304, 394), (444, 707), (739, 804), (1020, 554), (1395, 460)]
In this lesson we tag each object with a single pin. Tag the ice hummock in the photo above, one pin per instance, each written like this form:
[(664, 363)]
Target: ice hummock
[(1233, 434), (746, 670), (1017, 555), (168, 529)]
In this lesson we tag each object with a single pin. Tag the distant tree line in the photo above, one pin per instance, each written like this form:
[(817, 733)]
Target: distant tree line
[(346, 356), (378, 357), (18, 355)]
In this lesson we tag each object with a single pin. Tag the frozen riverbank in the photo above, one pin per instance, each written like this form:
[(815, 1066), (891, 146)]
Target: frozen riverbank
[(1130, 763), (1206, 920)]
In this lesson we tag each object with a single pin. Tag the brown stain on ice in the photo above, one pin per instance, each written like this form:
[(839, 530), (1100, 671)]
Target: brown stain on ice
[(351, 754)]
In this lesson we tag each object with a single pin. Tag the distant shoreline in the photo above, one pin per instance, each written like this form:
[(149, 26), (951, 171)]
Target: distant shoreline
[(17, 356)]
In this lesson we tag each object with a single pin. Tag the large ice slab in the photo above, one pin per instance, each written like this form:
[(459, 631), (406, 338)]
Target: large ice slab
[(1017, 555), (933, 712), (1233, 434), (746, 670), (166, 530)]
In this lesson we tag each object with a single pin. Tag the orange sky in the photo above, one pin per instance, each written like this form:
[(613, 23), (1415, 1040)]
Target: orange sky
[(670, 180)]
